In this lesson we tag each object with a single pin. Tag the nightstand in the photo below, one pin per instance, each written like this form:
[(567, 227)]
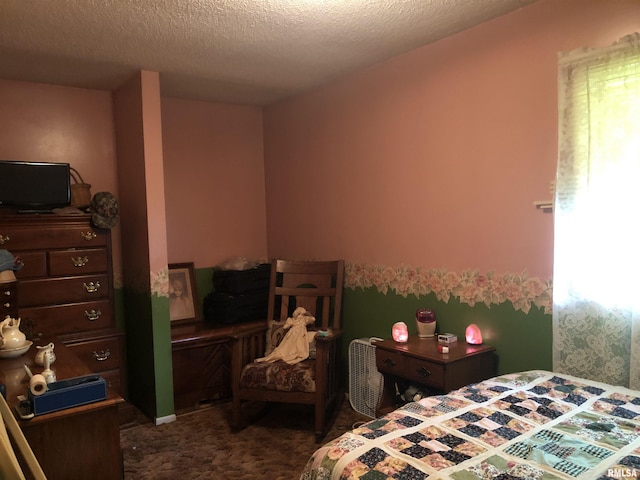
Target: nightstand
[(419, 362)]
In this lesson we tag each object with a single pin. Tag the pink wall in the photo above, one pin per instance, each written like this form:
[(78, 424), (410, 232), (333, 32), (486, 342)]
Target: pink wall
[(49, 123), (214, 180), (434, 158), (213, 161)]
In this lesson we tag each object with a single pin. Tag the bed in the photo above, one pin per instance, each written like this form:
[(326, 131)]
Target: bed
[(533, 425)]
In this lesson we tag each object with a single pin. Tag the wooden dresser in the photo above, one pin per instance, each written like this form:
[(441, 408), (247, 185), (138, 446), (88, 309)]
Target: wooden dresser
[(76, 443), (65, 288)]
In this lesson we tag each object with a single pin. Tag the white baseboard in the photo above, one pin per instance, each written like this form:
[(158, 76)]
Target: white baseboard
[(166, 419)]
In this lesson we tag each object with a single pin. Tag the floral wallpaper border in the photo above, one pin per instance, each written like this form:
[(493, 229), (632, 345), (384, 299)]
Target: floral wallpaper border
[(469, 286), (160, 282)]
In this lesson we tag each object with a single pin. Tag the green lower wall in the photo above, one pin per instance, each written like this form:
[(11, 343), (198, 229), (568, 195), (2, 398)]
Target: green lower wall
[(522, 340), (148, 351)]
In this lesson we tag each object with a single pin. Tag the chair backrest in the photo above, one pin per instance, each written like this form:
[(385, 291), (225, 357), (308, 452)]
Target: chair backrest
[(316, 286)]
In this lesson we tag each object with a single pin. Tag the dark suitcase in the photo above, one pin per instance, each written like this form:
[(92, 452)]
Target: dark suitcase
[(224, 308), (242, 281)]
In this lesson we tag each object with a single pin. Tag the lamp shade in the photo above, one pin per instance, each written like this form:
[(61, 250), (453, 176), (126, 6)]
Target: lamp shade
[(400, 332)]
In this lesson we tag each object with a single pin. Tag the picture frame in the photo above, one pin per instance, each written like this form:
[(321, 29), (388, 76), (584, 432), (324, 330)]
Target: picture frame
[(183, 306)]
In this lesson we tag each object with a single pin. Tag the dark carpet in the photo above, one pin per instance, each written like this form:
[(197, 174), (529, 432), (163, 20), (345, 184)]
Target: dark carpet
[(201, 445)]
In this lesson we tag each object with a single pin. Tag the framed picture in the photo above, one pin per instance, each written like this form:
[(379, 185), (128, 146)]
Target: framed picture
[(182, 293)]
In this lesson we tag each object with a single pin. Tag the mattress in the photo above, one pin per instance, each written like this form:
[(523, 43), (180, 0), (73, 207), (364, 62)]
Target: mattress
[(533, 425)]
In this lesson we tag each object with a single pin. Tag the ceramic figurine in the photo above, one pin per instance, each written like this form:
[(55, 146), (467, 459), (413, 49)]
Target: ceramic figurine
[(10, 334), (45, 351)]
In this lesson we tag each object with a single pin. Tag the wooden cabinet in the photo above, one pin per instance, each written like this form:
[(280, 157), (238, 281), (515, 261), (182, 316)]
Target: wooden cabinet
[(418, 361), (202, 362), (65, 288)]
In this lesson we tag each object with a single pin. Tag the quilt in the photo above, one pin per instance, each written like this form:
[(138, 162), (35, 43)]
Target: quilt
[(534, 425)]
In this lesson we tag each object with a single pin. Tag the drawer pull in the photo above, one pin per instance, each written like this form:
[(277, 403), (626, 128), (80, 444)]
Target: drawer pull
[(102, 355), (389, 363), (79, 261), (91, 287), (7, 305), (88, 236), (93, 315), (7, 293), (4, 239), (423, 372)]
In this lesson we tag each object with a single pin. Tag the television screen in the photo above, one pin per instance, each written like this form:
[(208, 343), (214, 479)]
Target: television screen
[(34, 185)]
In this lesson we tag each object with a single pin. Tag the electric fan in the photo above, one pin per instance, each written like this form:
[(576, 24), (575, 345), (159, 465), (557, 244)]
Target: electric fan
[(365, 382)]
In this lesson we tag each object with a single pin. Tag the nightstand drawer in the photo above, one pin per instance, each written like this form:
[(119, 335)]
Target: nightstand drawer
[(391, 363), (426, 373)]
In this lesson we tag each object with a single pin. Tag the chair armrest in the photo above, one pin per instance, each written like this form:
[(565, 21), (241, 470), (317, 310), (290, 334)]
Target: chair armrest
[(246, 346), (251, 331), (330, 337)]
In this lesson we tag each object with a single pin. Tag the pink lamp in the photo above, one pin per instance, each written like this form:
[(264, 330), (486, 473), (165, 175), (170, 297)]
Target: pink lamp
[(400, 332), (473, 335)]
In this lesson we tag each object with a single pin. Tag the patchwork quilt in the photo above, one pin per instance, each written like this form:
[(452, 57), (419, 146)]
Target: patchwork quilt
[(533, 425)]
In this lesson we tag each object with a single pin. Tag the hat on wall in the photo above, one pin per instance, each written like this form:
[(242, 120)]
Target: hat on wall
[(104, 210)]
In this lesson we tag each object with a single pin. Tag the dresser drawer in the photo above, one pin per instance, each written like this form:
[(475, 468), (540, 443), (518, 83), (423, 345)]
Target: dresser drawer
[(77, 262), (56, 291), (69, 318), (100, 354), (425, 372), (18, 238), (8, 300), (114, 382), (35, 265), (391, 363)]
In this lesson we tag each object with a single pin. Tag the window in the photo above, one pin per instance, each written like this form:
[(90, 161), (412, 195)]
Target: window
[(597, 214)]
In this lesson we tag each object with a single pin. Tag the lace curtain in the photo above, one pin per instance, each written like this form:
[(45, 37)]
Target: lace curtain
[(596, 285)]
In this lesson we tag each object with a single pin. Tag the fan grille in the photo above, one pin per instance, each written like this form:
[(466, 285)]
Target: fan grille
[(365, 382)]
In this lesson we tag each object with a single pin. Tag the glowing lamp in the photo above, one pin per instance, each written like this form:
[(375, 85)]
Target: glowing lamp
[(400, 332), (473, 335)]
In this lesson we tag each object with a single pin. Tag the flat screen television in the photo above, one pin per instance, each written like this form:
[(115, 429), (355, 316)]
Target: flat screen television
[(34, 186)]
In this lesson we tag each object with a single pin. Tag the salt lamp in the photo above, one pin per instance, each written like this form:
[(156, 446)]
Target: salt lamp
[(473, 334), (400, 332)]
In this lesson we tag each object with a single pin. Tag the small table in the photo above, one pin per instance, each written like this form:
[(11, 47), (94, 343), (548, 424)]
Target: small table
[(419, 361), (75, 443)]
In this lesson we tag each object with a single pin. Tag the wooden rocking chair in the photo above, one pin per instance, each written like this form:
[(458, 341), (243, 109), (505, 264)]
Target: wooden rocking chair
[(316, 286)]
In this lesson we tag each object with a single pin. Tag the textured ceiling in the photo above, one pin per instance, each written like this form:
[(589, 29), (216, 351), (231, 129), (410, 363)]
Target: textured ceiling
[(239, 51)]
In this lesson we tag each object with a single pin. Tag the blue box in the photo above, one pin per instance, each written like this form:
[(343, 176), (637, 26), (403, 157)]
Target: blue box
[(69, 393)]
